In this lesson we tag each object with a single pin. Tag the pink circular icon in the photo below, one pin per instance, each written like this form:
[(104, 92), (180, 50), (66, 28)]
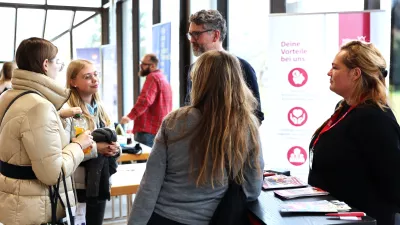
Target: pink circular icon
[(297, 77), (297, 116), (297, 156)]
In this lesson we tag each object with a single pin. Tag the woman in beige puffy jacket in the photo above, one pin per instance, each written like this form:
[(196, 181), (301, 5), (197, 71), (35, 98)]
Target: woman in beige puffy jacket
[(32, 138)]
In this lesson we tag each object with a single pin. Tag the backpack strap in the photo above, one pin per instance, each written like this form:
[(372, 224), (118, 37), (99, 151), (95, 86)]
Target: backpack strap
[(18, 96)]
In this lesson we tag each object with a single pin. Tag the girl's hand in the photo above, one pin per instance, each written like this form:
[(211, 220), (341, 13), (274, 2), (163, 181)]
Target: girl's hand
[(70, 112), (85, 139), (107, 149)]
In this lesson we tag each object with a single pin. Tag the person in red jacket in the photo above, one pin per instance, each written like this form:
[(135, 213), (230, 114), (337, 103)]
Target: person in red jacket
[(153, 104)]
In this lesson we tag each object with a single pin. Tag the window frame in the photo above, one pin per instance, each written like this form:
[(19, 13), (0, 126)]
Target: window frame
[(46, 7)]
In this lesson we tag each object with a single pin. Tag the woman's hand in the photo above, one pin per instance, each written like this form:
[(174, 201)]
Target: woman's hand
[(107, 149), (70, 112), (84, 139)]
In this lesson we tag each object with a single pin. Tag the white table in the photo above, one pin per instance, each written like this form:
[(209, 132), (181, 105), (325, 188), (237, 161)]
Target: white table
[(127, 157), (126, 181)]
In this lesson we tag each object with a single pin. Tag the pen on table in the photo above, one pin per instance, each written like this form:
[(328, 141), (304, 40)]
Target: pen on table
[(266, 174), (357, 214), (346, 218)]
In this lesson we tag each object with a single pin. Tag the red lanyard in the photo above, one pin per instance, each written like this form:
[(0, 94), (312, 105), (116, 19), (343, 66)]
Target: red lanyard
[(329, 124)]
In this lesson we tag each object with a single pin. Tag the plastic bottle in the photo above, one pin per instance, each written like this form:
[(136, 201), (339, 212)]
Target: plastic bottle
[(80, 126)]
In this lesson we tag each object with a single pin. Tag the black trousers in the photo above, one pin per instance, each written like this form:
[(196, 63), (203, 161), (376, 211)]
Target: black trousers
[(156, 219), (95, 208)]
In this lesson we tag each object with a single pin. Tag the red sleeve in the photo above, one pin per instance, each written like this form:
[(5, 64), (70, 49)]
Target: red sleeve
[(146, 98)]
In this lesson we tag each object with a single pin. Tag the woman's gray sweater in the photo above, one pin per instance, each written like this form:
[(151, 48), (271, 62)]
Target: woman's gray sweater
[(167, 187)]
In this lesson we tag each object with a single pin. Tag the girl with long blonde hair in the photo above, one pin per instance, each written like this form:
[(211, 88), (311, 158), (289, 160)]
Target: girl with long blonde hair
[(89, 92), (83, 80), (200, 147)]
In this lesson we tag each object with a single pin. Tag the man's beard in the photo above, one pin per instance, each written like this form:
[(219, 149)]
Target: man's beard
[(144, 73), (200, 49)]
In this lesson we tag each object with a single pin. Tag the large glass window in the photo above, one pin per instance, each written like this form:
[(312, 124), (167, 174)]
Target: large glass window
[(170, 13), (81, 16), (25, 1), (82, 3), (87, 35), (7, 15), (55, 25), (57, 22), (146, 23), (29, 23), (196, 5), (109, 84), (64, 54), (127, 56), (248, 39)]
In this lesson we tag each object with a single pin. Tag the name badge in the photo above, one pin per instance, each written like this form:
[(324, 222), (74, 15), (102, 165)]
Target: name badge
[(311, 157)]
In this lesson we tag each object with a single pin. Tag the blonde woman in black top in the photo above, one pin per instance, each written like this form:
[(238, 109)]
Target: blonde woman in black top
[(355, 155)]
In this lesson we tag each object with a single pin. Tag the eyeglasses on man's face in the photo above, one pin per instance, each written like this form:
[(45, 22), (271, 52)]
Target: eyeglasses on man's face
[(145, 64), (196, 34)]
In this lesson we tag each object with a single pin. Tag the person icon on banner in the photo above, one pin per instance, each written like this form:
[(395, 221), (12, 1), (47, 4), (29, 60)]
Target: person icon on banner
[(297, 156)]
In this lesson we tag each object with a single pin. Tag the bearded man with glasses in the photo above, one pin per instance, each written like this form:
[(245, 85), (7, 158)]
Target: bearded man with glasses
[(207, 31)]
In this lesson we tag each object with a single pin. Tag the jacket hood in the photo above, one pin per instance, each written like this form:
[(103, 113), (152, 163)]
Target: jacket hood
[(42, 84)]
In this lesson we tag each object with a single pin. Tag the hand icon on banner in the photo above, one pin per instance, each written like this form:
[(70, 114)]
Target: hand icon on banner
[(297, 116)]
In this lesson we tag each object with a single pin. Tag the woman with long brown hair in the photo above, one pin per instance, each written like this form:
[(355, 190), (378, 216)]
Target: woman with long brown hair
[(355, 154), (200, 147), (5, 76)]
